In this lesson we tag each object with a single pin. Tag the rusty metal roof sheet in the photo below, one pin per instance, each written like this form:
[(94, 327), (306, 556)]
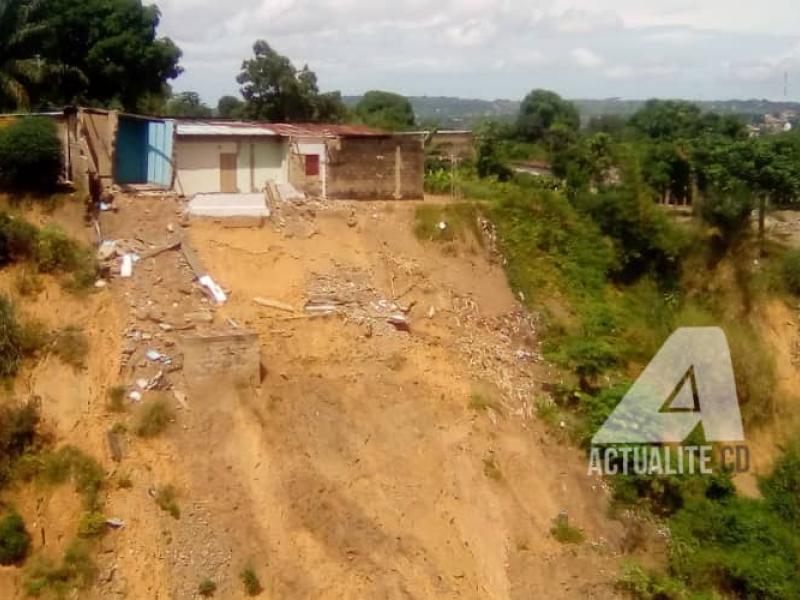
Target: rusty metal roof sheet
[(205, 127)]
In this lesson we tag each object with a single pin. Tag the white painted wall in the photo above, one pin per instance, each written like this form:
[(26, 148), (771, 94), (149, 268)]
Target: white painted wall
[(198, 164)]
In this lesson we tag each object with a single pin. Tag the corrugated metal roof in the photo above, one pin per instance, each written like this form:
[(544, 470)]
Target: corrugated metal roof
[(223, 128), (255, 128)]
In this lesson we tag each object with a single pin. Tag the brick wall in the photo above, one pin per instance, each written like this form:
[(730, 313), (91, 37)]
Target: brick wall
[(376, 168), (311, 185), (234, 356)]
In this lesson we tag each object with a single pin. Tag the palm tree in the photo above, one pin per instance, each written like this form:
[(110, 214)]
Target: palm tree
[(20, 67)]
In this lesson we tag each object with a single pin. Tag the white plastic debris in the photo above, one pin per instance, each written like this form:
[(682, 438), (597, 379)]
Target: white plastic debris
[(442, 226), (154, 355), (126, 270), (135, 396), (115, 523), (213, 288)]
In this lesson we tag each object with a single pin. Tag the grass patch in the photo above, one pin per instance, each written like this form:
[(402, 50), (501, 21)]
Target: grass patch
[(17, 340), (72, 346), (124, 481), (154, 418), (76, 571), (481, 402), (564, 532), (68, 464), (116, 398), (206, 588), (252, 585), (491, 469), (28, 283), (459, 220), (167, 500)]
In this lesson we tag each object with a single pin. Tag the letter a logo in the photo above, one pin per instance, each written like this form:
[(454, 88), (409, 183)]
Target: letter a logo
[(690, 381)]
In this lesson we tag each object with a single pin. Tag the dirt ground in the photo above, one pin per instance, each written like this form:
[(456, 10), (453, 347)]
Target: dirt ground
[(358, 468)]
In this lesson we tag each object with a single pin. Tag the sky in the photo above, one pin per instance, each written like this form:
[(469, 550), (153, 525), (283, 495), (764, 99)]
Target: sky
[(489, 49)]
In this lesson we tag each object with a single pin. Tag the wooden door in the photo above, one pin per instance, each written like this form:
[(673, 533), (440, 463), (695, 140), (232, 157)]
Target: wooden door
[(227, 173)]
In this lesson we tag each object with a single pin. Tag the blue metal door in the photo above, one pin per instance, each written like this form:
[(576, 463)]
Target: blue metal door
[(159, 152)]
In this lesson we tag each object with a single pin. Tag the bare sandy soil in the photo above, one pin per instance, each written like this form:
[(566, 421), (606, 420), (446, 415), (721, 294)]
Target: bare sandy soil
[(358, 468)]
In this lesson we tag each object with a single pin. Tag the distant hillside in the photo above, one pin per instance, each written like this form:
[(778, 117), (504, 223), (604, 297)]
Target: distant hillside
[(464, 112)]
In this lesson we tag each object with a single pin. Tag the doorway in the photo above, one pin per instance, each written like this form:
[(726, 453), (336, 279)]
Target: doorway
[(227, 173)]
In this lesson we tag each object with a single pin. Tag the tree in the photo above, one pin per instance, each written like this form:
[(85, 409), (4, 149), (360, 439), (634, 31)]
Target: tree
[(230, 107), (386, 110), (187, 104), (540, 111), (111, 50), (487, 162), (274, 90), (21, 67)]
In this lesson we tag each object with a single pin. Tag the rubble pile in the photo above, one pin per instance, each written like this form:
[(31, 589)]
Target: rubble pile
[(503, 350)]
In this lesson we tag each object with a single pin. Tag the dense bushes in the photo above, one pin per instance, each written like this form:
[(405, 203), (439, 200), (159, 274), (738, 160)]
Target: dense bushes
[(14, 539), (16, 340), (49, 248), (30, 154), (790, 271)]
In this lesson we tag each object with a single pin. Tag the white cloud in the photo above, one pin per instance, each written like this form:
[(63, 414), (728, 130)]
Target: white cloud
[(587, 59), (496, 48)]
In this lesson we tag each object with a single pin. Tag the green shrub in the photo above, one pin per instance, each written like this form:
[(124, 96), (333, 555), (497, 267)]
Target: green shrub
[(30, 154), (56, 251), (790, 270), (154, 418), (167, 500), (14, 540), (252, 585), (72, 346), (70, 463), (643, 585), (116, 398), (207, 588), (76, 571), (17, 239), (439, 181), (92, 524), (782, 488), (738, 545), (564, 532)]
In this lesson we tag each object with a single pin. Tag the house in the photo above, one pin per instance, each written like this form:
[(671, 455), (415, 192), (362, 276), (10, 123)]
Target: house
[(322, 160), (105, 148)]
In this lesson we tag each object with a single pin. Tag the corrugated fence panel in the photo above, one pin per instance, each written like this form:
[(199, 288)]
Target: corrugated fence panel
[(159, 152)]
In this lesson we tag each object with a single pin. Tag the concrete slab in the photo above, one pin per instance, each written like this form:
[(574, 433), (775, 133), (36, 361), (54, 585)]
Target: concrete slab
[(229, 205)]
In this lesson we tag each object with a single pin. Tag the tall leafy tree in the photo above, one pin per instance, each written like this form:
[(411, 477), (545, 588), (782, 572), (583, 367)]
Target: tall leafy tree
[(114, 45), (187, 104), (540, 111), (22, 66), (230, 107), (274, 90), (385, 110)]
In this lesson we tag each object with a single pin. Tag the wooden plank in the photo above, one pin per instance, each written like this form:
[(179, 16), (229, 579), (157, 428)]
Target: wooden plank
[(193, 261)]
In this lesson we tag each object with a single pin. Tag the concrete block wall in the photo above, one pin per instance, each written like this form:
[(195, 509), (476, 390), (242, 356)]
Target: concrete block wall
[(376, 168), (234, 355)]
